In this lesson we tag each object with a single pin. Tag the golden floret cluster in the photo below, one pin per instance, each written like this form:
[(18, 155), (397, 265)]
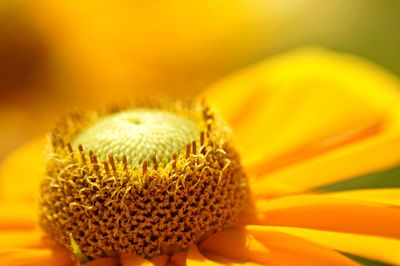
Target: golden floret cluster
[(159, 203)]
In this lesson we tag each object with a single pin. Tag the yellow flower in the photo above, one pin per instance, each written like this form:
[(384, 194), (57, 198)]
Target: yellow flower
[(301, 121)]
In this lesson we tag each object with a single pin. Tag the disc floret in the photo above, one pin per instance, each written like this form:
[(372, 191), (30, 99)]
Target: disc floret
[(153, 196)]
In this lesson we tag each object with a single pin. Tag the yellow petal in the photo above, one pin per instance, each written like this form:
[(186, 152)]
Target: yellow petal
[(42, 257), (20, 172), (376, 248), (17, 216), (135, 260), (330, 213), (367, 197), (279, 249), (389, 196), (311, 117)]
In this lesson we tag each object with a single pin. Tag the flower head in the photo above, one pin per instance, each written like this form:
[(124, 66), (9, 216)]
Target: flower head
[(154, 181)]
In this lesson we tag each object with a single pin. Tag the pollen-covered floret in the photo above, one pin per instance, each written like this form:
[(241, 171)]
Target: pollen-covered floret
[(149, 180)]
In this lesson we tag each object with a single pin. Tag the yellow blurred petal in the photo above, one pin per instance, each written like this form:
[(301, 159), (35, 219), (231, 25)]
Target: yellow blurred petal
[(17, 216), (376, 248), (151, 47), (32, 239), (330, 213), (135, 260), (41, 257), (278, 249), (311, 117), (20, 172)]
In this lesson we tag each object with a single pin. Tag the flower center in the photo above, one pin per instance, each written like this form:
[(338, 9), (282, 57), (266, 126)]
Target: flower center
[(140, 135), (153, 182)]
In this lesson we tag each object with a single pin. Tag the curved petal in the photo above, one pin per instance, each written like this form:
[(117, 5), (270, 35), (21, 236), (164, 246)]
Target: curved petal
[(41, 257), (279, 249), (376, 248), (17, 216), (327, 213), (135, 260), (20, 172), (311, 117)]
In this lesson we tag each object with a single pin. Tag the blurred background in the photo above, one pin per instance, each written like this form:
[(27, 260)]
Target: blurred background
[(55, 55), (58, 54)]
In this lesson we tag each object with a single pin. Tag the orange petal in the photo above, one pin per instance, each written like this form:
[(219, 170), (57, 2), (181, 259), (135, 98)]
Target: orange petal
[(17, 216), (195, 258), (330, 213), (230, 247), (23, 239), (376, 248), (236, 245), (103, 262), (179, 259), (311, 117), (41, 257), (135, 260), (20, 172)]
